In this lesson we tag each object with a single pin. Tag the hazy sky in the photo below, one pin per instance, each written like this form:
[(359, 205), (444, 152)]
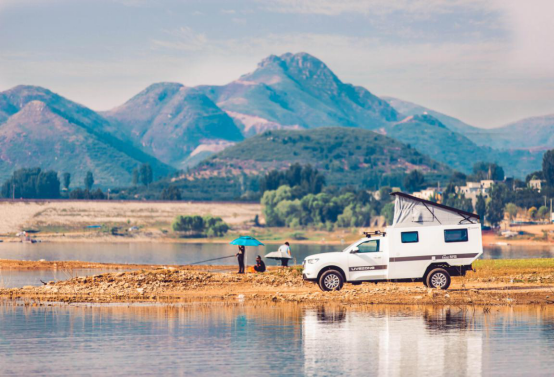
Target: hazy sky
[(485, 62)]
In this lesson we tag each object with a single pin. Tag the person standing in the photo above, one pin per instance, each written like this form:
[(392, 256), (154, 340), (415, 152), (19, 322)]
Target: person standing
[(240, 258), (285, 249)]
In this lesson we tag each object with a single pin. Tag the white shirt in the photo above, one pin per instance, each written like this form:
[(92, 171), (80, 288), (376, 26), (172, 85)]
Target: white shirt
[(284, 249)]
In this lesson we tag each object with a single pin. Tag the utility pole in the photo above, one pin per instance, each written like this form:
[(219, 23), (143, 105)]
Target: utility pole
[(550, 210)]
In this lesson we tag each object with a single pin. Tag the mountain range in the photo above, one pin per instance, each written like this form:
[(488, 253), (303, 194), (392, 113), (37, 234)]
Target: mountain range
[(173, 127)]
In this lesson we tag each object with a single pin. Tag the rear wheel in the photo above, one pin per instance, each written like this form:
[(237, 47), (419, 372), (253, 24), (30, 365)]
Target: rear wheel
[(438, 279), (331, 280)]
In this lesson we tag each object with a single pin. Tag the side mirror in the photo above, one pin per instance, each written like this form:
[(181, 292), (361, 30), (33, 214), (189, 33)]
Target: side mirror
[(355, 250)]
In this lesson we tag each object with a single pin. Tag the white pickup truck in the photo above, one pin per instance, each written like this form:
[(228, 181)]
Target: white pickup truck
[(427, 242)]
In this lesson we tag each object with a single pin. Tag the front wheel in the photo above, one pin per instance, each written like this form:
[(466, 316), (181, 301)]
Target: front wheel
[(438, 279), (331, 280)]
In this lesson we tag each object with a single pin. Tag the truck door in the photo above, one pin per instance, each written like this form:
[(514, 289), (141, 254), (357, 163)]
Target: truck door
[(367, 261)]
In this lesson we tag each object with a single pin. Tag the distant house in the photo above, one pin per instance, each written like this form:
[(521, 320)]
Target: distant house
[(473, 189), (429, 193), (536, 184)]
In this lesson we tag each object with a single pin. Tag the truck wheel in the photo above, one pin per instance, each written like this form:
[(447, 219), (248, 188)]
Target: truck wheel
[(438, 279), (331, 280)]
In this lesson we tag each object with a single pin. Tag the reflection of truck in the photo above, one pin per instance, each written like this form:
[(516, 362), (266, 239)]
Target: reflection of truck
[(427, 242)]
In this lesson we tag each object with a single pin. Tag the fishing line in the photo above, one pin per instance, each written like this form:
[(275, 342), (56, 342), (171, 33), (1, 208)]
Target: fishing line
[(219, 258)]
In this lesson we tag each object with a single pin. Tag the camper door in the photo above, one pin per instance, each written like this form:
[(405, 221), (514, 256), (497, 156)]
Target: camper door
[(368, 260)]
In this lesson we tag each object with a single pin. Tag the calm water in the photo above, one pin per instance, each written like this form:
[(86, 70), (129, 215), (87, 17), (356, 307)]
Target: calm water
[(274, 341), (180, 254)]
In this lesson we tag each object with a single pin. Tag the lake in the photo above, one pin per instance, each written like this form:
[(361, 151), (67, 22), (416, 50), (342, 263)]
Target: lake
[(284, 340), (175, 254)]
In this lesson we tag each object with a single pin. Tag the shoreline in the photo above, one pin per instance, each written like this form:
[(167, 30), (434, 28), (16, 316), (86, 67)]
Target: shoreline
[(506, 283), (273, 236)]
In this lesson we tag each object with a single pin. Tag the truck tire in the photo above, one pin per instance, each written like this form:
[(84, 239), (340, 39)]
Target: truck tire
[(331, 280), (438, 279)]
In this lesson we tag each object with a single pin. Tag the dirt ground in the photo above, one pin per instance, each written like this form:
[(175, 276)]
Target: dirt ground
[(18, 215), (494, 284)]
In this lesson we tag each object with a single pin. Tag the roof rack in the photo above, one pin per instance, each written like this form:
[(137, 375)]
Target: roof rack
[(368, 234)]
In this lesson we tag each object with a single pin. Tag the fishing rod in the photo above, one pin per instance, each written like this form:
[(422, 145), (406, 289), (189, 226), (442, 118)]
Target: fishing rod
[(219, 258)]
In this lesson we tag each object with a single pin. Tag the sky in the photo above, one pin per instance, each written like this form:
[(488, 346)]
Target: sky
[(487, 63)]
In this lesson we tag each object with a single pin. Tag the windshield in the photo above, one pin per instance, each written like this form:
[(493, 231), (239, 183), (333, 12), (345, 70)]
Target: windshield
[(353, 245)]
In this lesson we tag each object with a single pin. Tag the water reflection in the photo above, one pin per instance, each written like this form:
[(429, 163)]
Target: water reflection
[(286, 340), (435, 343)]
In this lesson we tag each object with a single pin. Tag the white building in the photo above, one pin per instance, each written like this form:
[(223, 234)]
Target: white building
[(536, 184), (426, 194), (473, 189)]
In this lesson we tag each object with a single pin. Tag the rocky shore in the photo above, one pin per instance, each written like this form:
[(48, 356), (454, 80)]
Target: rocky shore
[(196, 284)]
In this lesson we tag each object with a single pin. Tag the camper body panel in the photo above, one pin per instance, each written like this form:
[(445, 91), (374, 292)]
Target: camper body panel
[(414, 249), (427, 242)]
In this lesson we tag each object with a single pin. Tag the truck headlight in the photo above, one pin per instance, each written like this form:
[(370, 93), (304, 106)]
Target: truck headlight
[(312, 261)]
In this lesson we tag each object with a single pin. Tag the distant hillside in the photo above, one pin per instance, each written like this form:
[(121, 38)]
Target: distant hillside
[(409, 109), (428, 134), (171, 121), (346, 156), (41, 128), (535, 133), (298, 91)]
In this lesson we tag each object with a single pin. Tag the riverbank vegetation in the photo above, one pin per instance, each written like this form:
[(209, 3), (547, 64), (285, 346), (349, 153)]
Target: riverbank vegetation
[(197, 226)]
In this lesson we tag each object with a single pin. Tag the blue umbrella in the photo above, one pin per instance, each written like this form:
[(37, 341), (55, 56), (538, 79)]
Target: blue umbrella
[(247, 241)]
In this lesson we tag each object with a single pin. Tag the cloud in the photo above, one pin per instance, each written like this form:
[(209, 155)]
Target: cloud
[(184, 39), (376, 7), (531, 30)]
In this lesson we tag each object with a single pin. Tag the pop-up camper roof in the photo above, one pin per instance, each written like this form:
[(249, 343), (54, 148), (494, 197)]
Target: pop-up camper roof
[(410, 211)]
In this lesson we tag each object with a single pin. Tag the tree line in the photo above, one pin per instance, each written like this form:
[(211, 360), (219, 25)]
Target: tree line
[(196, 225)]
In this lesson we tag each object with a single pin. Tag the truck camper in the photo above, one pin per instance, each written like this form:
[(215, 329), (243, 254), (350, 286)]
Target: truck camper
[(427, 242)]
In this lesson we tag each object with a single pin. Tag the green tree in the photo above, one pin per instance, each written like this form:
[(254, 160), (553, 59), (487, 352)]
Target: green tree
[(414, 181), (32, 183), (488, 171), (511, 209), (548, 167), (135, 176), (197, 225), (543, 212), (388, 212), (171, 193), (89, 180), (532, 211), (495, 211), (481, 207), (146, 175), (66, 180)]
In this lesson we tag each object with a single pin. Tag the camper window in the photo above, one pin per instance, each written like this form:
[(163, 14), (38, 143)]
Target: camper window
[(410, 237), (454, 236), (369, 246)]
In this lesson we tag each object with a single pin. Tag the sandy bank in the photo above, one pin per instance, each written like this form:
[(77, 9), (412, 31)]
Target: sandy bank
[(493, 285), (17, 215)]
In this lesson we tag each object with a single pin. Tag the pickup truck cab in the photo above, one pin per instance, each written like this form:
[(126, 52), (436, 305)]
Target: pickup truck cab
[(417, 247)]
